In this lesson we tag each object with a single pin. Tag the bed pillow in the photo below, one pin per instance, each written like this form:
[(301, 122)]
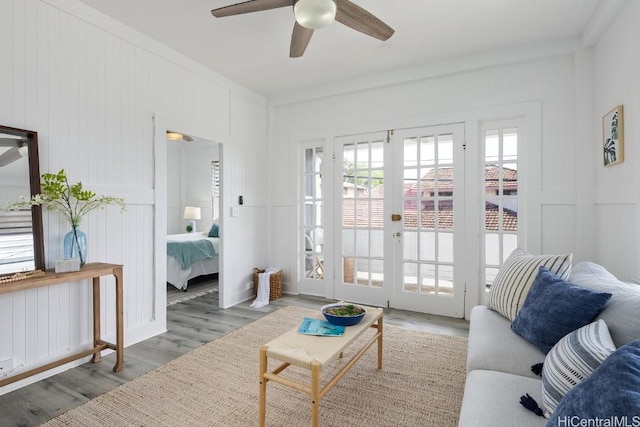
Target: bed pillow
[(575, 357), (554, 308), (516, 275), (214, 231), (612, 392)]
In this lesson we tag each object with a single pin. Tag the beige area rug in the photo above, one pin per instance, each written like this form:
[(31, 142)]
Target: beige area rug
[(421, 384)]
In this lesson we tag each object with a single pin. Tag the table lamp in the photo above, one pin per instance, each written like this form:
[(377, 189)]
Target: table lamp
[(191, 213)]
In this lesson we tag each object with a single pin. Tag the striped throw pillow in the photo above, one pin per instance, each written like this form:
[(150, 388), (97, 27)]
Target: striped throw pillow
[(516, 275), (572, 359)]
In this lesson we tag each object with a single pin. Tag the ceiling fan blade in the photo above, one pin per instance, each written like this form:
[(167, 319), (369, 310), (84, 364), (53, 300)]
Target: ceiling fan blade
[(353, 16), (10, 156), (299, 40), (10, 142), (250, 6)]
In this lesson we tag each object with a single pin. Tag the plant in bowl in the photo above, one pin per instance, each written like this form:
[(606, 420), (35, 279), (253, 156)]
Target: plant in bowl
[(343, 314)]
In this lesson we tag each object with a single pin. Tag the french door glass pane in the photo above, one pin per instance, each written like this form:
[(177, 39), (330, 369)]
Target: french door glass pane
[(428, 213), (410, 245), (445, 150), (410, 277), (428, 246), (312, 221), (410, 151), (445, 247), (363, 212), (377, 246), (501, 197), (348, 243), (427, 151)]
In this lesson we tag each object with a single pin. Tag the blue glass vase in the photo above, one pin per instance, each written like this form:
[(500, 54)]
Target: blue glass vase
[(75, 245)]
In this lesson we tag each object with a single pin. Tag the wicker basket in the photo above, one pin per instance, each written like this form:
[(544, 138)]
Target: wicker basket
[(275, 283)]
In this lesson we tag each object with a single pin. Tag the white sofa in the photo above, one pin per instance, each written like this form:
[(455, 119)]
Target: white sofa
[(499, 361)]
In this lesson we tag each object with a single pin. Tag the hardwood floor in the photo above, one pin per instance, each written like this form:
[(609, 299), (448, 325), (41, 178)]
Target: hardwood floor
[(190, 324)]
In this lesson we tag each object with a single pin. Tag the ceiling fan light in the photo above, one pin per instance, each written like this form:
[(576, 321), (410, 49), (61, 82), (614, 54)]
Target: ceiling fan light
[(315, 14)]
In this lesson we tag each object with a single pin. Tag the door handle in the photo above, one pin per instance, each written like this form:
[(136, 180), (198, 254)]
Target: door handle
[(396, 217)]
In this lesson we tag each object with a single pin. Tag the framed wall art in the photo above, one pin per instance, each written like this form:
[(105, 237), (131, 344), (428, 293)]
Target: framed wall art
[(613, 137)]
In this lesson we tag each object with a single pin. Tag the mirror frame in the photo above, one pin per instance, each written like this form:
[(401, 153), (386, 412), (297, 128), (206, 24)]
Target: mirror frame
[(34, 183)]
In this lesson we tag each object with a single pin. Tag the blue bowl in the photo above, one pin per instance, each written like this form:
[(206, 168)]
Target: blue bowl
[(342, 320)]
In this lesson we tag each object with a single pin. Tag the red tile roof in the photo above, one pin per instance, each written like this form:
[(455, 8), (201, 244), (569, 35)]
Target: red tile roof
[(368, 211)]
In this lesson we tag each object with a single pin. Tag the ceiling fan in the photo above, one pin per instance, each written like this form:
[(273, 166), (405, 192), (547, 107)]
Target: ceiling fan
[(17, 149), (312, 15)]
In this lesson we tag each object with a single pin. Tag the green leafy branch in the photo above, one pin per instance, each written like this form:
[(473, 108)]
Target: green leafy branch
[(72, 202)]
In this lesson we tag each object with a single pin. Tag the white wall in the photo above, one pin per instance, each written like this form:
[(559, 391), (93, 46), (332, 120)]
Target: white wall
[(91, 87), (246, 236), (189, 183), (482, 88), (616, 67), (175, 204)]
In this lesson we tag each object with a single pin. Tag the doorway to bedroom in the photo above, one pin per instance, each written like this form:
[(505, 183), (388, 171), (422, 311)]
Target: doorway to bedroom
[(193, 212)]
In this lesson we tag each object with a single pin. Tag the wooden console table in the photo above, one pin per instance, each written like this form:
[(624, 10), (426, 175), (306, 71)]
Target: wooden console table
[(89, 271)]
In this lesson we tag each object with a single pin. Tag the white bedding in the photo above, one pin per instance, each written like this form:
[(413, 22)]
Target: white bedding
[(179, 277)]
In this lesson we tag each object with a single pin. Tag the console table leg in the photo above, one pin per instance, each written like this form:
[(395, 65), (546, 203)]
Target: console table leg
[(96, 319), (117, 272), (315, 393)]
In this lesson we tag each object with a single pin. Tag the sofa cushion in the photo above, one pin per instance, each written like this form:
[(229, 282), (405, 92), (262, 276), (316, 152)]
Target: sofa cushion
[(491, 399), (494, 346), (572, 359), (612, 392), (516, 275), (622, 312), (554, 308)]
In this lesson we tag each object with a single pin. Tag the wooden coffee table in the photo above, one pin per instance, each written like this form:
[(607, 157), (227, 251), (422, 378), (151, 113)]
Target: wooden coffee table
[(314, 353)]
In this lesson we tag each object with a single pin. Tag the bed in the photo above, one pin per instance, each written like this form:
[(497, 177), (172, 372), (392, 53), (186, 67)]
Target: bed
[(191, 255)]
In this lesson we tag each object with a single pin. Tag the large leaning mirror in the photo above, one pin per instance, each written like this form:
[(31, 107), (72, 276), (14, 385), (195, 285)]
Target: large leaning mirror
[(21, 234)]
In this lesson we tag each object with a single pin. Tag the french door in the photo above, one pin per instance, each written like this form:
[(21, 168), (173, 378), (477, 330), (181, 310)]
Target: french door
[(401, 193), (428, 231), (363, 245)]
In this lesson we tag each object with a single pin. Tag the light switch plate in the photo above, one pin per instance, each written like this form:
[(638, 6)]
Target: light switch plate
[(235, 211)]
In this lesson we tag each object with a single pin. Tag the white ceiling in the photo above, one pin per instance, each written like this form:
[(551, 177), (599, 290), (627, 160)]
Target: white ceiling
[(253, 49)]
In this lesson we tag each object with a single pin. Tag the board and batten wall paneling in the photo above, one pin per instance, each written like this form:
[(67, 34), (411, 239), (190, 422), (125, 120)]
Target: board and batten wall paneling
[(90, 87), (245, 172), (470, 96), (616, 66)]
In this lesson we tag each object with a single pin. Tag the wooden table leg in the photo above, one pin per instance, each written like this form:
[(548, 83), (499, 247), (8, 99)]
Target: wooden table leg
[(117, 272), (96, 318), (380, 343), (315, 393), (262, 402)]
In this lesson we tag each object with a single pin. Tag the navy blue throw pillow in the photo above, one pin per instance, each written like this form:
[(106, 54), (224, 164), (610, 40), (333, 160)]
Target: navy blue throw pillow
[(553, 308), (612, 392)]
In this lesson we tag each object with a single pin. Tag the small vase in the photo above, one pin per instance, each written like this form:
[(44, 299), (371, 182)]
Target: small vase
[(75, 245)]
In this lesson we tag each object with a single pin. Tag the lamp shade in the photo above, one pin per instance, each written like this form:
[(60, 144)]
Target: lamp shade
[(315, 14), (191, 212)]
